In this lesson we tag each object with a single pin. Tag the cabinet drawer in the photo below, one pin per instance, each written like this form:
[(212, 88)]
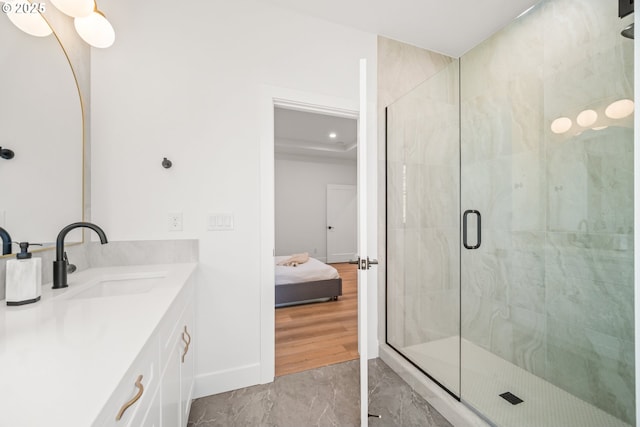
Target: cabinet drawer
[(152, 416), (146, 365)]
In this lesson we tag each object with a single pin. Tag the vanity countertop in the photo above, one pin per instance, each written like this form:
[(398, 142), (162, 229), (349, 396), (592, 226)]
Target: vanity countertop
[(62, 357)]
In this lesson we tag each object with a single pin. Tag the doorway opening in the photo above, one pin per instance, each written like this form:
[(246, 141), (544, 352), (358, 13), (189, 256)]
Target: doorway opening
[(315, 201)]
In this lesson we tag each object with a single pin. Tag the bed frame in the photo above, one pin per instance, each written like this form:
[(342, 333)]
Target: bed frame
[(299, 292)]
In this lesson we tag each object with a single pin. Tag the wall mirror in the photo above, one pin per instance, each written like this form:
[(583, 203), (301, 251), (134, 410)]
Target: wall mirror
[(41, 121)]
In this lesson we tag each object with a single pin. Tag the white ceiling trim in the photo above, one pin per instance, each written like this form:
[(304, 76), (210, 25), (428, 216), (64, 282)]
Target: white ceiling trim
[(338, 147), (318, 109)]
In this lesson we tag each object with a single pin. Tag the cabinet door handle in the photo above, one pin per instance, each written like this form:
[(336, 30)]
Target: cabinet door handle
[(187, 343), (132, 401)]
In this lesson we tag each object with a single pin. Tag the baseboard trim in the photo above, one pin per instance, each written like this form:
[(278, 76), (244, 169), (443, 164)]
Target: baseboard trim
[(227, 380)]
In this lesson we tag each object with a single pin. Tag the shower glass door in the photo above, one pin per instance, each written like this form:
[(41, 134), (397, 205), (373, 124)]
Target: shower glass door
[(510, 277), (423, 264), (547, 322)]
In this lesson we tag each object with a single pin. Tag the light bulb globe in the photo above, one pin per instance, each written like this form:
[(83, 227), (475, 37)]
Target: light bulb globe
[(96, 30)]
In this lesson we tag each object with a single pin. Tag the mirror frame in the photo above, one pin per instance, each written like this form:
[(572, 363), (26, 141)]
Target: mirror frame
[(84, 152)]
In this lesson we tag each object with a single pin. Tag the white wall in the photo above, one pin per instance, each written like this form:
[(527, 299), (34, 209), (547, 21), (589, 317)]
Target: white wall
[(301, 202), (183, 81)]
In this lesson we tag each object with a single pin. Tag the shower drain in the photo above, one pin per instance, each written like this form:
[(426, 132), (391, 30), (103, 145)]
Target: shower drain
[(511, 398)]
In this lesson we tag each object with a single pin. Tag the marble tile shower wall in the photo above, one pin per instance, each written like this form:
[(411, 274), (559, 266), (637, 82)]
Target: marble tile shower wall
[(401, 68), (423, 228), (551, 289)]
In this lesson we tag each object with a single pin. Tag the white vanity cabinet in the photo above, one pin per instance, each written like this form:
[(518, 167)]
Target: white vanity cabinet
[(188, 365), (114, 339), (178, 370), (166, 365), (187, 362), (142, 394)]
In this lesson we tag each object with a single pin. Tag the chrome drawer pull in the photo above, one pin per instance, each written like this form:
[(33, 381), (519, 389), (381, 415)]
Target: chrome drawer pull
[(132, 401), (187, 343)]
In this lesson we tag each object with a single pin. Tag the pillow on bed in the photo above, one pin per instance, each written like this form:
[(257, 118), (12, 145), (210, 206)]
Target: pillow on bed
[(295, 259)]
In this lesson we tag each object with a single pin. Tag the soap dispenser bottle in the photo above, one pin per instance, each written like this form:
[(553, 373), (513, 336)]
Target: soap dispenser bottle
[(24, 278)]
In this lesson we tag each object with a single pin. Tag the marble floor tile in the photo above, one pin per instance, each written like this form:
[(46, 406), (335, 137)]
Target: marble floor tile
[(325, 396)]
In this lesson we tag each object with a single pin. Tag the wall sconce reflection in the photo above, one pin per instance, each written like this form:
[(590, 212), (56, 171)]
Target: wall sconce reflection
[(587, 118), (620, 109), (617, 110), (561, 125)]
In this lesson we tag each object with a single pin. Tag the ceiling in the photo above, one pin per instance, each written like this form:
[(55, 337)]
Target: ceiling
[(451, 27), (302, 133)]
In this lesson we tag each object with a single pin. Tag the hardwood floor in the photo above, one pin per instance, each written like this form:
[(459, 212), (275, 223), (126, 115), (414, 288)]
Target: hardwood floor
[(319, 334)]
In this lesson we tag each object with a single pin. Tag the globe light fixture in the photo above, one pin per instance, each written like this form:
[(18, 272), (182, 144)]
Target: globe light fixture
[(95, 29), (31, 23), (75, 8)]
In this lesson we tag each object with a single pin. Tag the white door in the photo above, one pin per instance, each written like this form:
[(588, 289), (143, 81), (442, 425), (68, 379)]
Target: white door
[(363, 256), (342, 212)]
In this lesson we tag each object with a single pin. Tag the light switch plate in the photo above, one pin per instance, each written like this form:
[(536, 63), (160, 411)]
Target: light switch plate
[(220, 222)]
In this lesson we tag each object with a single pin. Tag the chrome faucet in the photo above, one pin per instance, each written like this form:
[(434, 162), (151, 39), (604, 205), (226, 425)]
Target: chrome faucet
[(60, 264), (6, 241)]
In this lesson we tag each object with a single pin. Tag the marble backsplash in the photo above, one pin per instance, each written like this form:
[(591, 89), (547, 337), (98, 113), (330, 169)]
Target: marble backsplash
[(93, 254)]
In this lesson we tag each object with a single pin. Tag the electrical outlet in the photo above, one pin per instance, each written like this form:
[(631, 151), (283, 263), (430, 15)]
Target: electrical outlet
[(175, 221)]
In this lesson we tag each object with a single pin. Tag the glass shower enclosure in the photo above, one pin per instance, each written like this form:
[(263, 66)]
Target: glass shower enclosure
[(510, 222)]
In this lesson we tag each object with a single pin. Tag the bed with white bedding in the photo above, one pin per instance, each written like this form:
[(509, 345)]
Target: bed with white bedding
[(307, 281)]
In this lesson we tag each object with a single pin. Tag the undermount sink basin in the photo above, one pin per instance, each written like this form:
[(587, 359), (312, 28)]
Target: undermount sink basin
[(139, 283)]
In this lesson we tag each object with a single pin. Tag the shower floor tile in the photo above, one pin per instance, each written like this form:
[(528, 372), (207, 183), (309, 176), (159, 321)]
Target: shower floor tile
[(486, 376)]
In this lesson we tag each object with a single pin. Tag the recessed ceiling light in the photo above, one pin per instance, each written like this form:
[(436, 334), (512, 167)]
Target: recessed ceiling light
[(332, 135)]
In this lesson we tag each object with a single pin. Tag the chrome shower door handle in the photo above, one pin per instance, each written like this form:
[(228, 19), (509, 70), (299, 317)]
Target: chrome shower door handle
[(464, 229)]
